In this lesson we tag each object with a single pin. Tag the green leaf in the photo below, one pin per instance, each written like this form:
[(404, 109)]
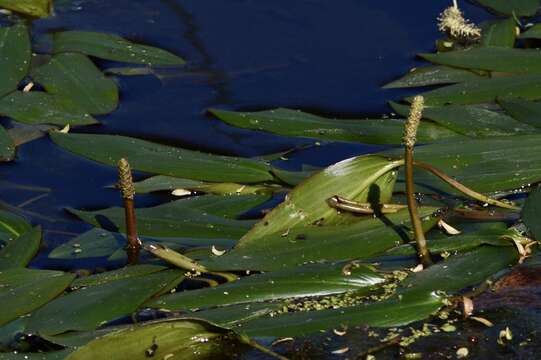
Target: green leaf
[(112, 47), (309, 280), (12, 226), (485, 165), (160, 182), (500, 33), (432, 75), (162, 159), (99, 243), (362, 179), (230, 316), (525, 111), (78, 83), (501, 59), (87, 308), (35, 8), (390, 313), (24, 290), (7, 146), (512, 7), (19, 252), (118, 274), (531, 213), (51, 355), (471, 120), (37, 107), (296, 123), (487, 90), (361, 240), (184, 339), (533, 32), (195, 218), (15, 55)]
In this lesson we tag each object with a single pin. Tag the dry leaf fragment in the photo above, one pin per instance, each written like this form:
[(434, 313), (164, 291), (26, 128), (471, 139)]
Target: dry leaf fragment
[(28, 87), (181, 192), (217, 252), (448, 228), (483, 321), (65, 129), (340, 351), (467, 306)]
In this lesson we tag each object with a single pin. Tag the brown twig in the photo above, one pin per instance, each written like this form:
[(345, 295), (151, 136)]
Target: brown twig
[(128, 193), (410, 133), (375, 349)]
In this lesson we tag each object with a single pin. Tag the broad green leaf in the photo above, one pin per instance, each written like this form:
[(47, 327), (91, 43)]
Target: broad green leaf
[(51, 355), (457, 243), (309, 280), (532, 33), (362, 179), (37, 107), (160, 182), (7, 146), (24, 290), (35, 8), (293, 178), (296, 123), (99, 243), (112, 47), (209, 216), (486, 90), (501, 59), (485, 165), (162, 159), (15, 55), (471, 120), (360, 240), (77, 82), (512, 7), (12, 226), (19, 252), (531, 213), (499, 33), (432, 75), (525, 111), (87, 308), (118, 274), (177, 339), (230, 316), (390, 313), (10, 331)]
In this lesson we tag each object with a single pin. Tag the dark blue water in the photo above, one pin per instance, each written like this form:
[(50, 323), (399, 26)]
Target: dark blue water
[(327, 57)]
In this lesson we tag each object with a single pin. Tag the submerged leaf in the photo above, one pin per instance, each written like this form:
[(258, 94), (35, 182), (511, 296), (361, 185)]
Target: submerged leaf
[(78, 83), (7, 146), (296, 123), (512, 7), (162, 159), (112, 47), (15, 54)]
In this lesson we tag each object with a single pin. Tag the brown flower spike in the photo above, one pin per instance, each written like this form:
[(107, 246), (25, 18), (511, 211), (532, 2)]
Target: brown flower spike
[(127, 190)]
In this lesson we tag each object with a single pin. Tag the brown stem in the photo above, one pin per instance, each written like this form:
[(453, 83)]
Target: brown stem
[(375, 349), (464, 189), (422, 248), (128, 193)]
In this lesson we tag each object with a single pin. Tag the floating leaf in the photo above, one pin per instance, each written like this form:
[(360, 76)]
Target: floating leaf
[(12, 226), (160, 182), (296, 123), (471, 120), (486, 90), (15, 54), (162, 159), (77, 82), (360, 240), (485, 165), (206, 216), (512, 7), (531, 213), (24, 290), (532, 33), (112, 47), (525, 111), (181, 339), (230, 316), (19, 252), (35, 8), (362, 179), (432, 75), (37, 107), (118, 274), (502, 59), (310, 280), (499, 33), (7, 146), (51, 355), (87, 308)]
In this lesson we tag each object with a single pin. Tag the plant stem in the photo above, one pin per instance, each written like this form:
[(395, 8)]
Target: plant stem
[(128, 193), (250, 342)]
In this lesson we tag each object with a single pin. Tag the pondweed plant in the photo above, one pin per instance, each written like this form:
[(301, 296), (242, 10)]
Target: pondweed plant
[(335, 254)]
